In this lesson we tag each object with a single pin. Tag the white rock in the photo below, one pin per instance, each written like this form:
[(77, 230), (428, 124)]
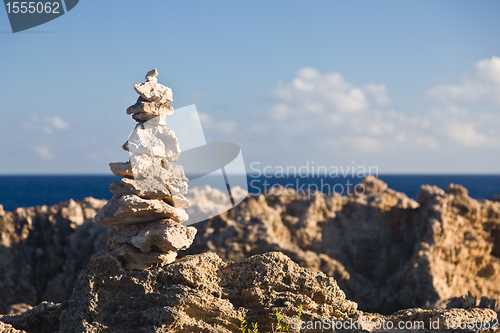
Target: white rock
[(145, 167), (176, 180), (180, 201), (154, 139), (154, 92)]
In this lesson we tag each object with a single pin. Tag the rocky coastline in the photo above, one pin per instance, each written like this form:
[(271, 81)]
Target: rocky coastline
[(377, 255)]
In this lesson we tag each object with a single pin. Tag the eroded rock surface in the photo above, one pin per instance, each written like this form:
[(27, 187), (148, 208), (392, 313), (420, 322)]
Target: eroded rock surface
[(42, 250), (386, 251), (149, 203), (202, 293), (199, 293)]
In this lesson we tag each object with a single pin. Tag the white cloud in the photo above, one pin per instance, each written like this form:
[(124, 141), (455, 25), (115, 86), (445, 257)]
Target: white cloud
[(316, 107), (378, 94), (220, 127), (313, 93), (58, 123), (47, 124), (43, 152), (483, 84)]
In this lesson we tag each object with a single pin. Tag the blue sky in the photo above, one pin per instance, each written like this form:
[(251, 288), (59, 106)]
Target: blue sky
[(408, 86)]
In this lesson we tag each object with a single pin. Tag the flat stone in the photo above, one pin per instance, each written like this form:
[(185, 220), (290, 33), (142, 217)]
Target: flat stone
[(177, 182), (143, 117), (131, 209), (161, 236), (154, 139), (154, 108), (144, 188), (152, 73), (132, 258), (178, 201), (145, 167), (121, 169), (154, 92)]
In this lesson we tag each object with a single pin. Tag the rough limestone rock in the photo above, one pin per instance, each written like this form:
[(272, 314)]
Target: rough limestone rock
[(152, 188), (134, 259), (146, 188), (208, 202), (199, 293), (152, 73), (386, 251), (166, 235), (202, 293), (178, 201), (6, 328), (42, 249), (176, 180), (131, 209), (496, 198), (121, 169), (151, 139), (44, 318), (151, 109), (154, 92), (443, 320), (145, 167), (18, 308)]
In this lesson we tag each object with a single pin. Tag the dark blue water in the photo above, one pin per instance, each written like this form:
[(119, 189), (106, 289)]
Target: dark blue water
[(26, 191)]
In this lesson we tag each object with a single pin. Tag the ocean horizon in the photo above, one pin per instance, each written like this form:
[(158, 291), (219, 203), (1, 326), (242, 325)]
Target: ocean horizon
[(37, 190)]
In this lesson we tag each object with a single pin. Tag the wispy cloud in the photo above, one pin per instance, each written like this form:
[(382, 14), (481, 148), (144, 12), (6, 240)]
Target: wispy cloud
[(360, 118), (215, 126), (58, 123), (483, 84), (44, 152), (46, 124)]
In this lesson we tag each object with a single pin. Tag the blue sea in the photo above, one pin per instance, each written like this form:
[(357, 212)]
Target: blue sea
[(27, 191)]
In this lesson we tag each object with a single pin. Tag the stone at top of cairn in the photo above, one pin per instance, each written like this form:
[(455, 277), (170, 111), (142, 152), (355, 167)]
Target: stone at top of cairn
[(153, 100), (151, 75), (148, 204), (153, 91)]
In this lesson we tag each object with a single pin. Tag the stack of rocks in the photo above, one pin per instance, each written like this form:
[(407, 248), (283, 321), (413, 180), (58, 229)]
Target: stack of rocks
[(147, 208)]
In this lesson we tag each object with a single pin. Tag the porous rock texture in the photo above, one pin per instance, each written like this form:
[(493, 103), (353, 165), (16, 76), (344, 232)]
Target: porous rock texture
[(148, 203), (6, 328), (199, 293), (202, 293), (42, 250), (386, 251)]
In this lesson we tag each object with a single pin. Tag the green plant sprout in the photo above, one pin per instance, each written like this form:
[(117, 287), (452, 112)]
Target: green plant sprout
[(280, 327), (244, 329)]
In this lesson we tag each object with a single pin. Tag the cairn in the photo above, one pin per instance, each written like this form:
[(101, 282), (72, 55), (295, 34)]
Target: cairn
[(147, 208)]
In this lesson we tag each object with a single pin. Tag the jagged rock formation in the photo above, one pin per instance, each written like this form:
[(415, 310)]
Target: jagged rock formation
[(202, 293), (386, 251), (42, 250), (199, 293), (148, 204), (207, 201)]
